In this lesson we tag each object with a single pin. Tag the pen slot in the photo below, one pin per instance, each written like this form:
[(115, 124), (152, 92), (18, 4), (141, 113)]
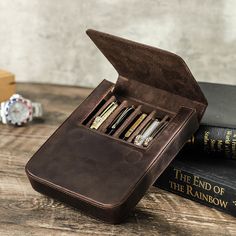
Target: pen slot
[(123, 130), (165, 119), (156, 132), (90, 119), (141, 126), (110, 119), (163, 124), (130, 118)]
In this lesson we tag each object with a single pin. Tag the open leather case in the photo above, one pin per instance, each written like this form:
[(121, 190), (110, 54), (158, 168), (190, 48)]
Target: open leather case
[(103, 174)]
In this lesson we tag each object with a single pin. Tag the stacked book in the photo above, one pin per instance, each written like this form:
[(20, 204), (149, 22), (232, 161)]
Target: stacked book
[(205, 170)]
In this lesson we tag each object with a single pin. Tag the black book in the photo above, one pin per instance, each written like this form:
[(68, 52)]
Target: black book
[(207, 181), (205, 171), (217, 133)]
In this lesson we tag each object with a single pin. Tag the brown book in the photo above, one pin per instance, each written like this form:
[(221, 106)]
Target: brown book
[(7, 85)]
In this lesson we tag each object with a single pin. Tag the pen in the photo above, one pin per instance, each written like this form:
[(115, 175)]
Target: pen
[(156, 131), (146, 132), (104, 115), (134, 126), (119, 120)]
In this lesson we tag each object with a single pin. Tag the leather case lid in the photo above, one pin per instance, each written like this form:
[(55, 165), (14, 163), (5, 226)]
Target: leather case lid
[(151, 66)]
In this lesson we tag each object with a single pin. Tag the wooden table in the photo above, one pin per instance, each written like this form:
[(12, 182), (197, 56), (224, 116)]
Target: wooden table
[(26, 212)]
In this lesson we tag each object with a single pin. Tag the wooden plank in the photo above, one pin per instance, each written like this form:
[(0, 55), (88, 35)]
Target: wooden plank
[(26, 212)]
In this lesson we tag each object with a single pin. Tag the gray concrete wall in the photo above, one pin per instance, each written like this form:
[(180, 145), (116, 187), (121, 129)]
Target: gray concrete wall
[(45, 41)]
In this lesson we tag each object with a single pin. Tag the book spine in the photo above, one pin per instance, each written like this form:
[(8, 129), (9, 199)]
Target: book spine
[(215, 141), (197, 188)]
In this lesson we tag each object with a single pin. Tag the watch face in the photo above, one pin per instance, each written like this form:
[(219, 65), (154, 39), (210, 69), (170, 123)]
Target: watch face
[(18, 112)]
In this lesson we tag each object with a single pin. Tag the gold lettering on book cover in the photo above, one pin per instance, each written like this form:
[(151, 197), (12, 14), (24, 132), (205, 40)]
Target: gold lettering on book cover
[(196, 187), (228, 137), (234, 146), (206, 139)]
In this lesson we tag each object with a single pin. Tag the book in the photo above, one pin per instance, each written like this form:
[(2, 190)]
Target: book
[(216, 135), (209, 182), (199, 172)]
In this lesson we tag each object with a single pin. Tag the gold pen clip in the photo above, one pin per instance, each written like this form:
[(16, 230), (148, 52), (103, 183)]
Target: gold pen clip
[(104, 115), (135, 125)]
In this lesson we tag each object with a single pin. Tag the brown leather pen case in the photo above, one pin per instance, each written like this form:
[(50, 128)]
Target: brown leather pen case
[(105, 175)]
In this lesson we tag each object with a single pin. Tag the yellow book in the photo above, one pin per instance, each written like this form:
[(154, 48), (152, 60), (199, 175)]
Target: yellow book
[(7, 85)]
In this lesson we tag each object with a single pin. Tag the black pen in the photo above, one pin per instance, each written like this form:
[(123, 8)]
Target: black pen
[(119, 120)]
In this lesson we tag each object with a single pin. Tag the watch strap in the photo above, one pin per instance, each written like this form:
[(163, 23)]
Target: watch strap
[(37, 110)]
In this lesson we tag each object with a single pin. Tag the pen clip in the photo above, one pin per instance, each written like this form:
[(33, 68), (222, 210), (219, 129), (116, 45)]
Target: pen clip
[(103, 116), (163, 123), (122, 116), (146, 132), (133, 127), (108, 108)]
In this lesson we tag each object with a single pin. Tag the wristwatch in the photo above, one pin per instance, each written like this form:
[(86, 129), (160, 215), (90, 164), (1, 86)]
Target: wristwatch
[(19, 110)]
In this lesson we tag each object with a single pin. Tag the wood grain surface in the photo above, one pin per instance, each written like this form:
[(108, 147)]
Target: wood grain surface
[(26, 212)]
